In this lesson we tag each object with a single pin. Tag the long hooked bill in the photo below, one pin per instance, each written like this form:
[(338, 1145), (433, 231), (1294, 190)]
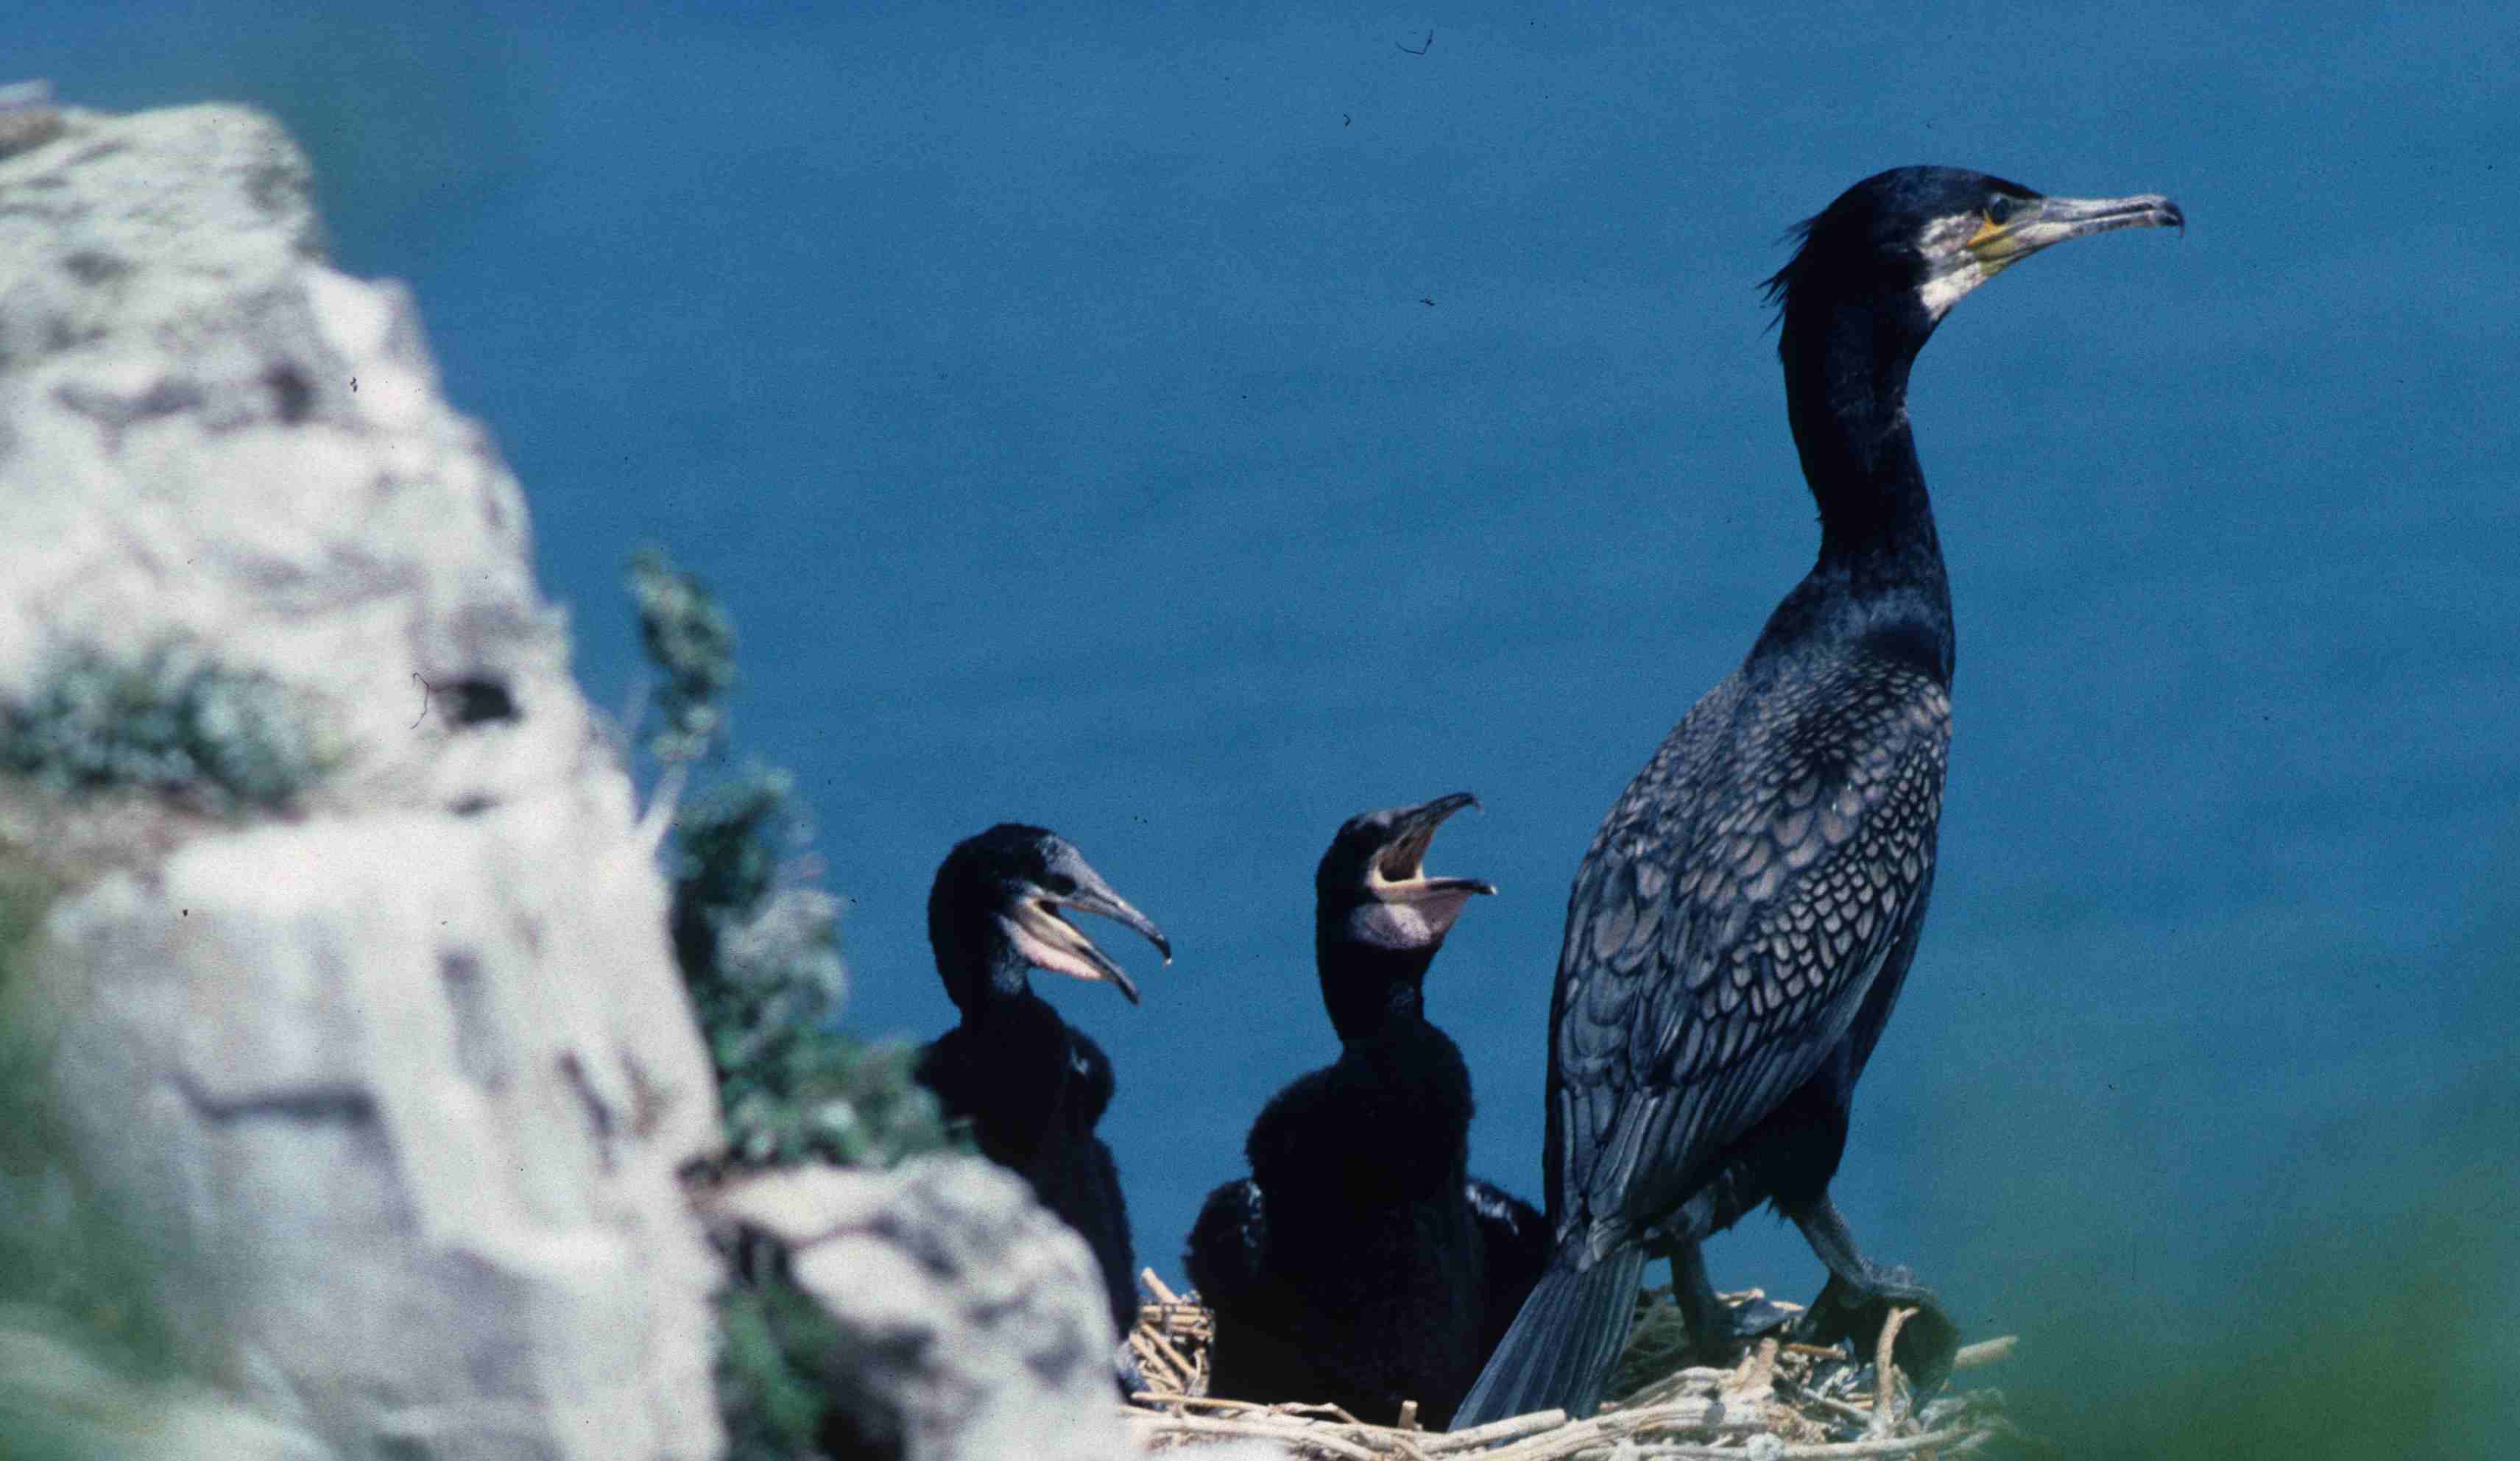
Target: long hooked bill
[(2047, 221), (1050, 942), (1397, 870)]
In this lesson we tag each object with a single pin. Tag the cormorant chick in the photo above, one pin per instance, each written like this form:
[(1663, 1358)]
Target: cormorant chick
[(1741, 925), (1360, 1264), (1031, 1087)]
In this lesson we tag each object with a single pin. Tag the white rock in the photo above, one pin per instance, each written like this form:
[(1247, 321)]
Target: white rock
[(406, 1077), (967, 1309), (205, 431), (79, 1407)]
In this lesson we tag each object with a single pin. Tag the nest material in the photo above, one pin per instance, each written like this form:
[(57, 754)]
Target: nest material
[(1783, 1403), (1171, 1341)]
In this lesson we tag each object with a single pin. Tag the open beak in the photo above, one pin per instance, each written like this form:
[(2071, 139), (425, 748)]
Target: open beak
[(1397, 873), (2050, 221), (1050, 942)]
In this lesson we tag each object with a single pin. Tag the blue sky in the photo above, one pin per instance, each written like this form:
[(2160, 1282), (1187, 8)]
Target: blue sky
[(1187, 429)]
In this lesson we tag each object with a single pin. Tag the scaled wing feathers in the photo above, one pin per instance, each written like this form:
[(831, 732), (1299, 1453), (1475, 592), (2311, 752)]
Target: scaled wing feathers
[(1697, 993)]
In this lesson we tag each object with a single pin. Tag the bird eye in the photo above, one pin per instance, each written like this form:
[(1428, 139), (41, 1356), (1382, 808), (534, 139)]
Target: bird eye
[(2001, 208), (1058, 885)]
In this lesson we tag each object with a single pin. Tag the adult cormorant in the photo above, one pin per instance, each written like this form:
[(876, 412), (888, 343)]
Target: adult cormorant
[(1742, 922), (1031, 1087), (1360, 1264)]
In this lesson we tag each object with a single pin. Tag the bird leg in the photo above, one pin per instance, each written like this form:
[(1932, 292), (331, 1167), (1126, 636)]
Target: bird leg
[(1717, 1330), (1859, 1293)]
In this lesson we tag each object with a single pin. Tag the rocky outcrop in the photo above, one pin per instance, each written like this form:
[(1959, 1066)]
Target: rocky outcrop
[(969, 1323), (355, 958), (209, 436), (347, 977)]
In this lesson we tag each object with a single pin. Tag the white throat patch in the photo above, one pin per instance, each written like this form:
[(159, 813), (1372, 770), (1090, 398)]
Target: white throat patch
[(1956, 271), (1395, 925), (1943, 290), (1417, 923)]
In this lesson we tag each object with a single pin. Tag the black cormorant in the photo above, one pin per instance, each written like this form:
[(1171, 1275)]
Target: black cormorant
[(1360, 1264), (1031, 1087), (1742, 922)]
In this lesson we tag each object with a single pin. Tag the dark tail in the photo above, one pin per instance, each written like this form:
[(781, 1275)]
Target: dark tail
[(1560, 1348)]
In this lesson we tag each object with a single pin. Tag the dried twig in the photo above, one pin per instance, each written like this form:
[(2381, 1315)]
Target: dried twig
[(1757, 1376), (1957, 1442), (1178, 1366), (1174, 1426), (1494, 1433), (1171, 1339), (1808, 1399), (1797, 1402), (1885, 1374)]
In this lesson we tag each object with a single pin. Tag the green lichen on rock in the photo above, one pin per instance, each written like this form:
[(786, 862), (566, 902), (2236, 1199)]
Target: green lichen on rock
[(171, 721)]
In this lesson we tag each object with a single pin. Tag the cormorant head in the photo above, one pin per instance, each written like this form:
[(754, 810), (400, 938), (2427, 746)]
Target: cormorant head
[(1917, 238), (993, 914), (1371, 887)]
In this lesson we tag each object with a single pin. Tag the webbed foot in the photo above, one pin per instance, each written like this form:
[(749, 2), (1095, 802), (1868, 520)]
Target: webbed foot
[(1718, 1332), (1757, 1318), (1927, 1343)]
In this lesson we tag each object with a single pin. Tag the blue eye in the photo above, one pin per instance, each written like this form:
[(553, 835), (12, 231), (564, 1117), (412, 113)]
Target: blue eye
[(2001, 208)]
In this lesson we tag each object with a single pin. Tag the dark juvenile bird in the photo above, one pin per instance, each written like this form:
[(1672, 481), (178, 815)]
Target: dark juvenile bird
[(1741, 925), (1360, 1263), (1031, 1087)]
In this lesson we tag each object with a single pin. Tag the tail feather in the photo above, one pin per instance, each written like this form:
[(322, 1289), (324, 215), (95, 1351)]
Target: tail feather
[(1560, 1348)]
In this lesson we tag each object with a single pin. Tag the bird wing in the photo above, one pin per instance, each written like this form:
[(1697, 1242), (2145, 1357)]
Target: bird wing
[(1727, 921)]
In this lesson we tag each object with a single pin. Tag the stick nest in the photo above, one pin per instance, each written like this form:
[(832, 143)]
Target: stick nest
[(1783, 1402)]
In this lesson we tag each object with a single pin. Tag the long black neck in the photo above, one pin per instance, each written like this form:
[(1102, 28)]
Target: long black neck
[(1846, 395), (1368, 989), (984, 974)]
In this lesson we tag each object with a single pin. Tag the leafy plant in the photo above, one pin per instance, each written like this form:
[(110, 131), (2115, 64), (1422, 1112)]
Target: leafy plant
[(172, 721), (758, 943)]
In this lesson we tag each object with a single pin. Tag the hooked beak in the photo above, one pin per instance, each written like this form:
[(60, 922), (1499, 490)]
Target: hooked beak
[(1050, 942), (2050, 221), (1397, 873), (1401, 907)]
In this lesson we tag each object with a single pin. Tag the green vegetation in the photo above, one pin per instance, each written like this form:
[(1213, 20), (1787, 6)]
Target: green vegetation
[(65, 1258), (763, 965), (776, 1343), (759, 949), (88, 1363), (173, 721), (690, 642), (756, 940)]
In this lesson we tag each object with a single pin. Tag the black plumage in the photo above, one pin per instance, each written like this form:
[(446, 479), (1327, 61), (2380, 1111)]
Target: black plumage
[(1739, 929), (1031, 1087), (1360, 1264)]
